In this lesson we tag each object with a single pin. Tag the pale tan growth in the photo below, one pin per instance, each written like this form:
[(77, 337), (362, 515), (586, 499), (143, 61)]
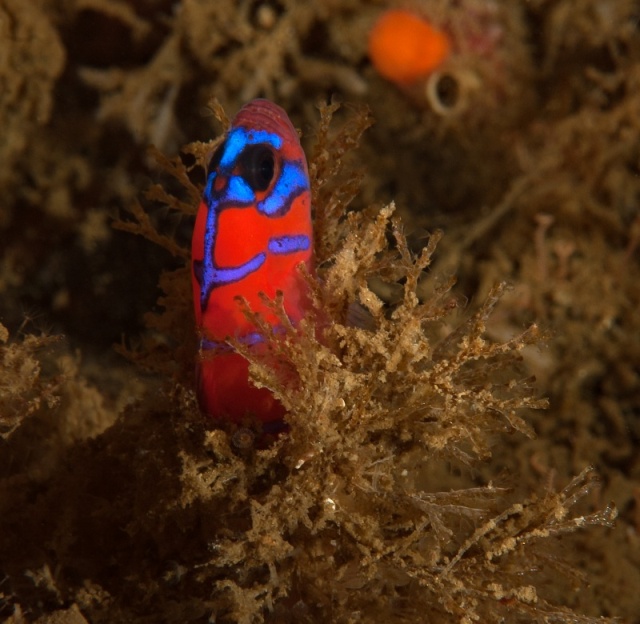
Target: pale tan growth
[(28, 75), (367, 410), (145, 99), (351, 516), (23, 390), (171, 349), (339, 516)]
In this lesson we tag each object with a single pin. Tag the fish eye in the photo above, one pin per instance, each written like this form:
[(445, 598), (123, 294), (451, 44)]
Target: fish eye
[(258, 166)]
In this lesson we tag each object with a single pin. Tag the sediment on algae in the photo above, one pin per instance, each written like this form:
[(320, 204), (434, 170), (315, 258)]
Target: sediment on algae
[(173, 519), (120, 521)]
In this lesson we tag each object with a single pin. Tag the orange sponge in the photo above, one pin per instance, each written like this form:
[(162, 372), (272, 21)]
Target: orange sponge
[(404, 47)]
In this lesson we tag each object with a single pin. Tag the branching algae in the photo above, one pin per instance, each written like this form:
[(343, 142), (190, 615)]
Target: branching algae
[(347, 517), (344, 517)]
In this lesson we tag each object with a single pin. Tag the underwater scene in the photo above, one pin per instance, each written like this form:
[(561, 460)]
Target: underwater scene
[(320, 311)]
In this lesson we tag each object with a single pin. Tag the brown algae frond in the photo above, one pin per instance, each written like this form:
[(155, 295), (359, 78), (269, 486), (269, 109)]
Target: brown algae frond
[(403, 490), (341, 514), (23, 387), (355, 509)]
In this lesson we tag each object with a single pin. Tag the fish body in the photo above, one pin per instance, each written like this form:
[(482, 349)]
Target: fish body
[(252, 230)]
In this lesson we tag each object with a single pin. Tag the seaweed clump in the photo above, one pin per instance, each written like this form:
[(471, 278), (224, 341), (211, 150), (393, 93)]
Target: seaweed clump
[(26, 99), (154, 517), (23, 389), (350, 516)]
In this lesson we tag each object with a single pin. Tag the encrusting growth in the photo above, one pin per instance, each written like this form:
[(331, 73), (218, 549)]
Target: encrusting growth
[(405, 47)]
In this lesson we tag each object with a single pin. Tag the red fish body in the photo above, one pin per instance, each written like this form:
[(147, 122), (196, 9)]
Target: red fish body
[(252, 230)]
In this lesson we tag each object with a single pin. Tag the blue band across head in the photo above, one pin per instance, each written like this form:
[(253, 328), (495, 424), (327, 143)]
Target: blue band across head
[(239, 138), (291, 182)]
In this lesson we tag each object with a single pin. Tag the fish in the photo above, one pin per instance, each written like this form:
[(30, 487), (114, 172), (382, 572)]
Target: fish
[(252, 232)]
